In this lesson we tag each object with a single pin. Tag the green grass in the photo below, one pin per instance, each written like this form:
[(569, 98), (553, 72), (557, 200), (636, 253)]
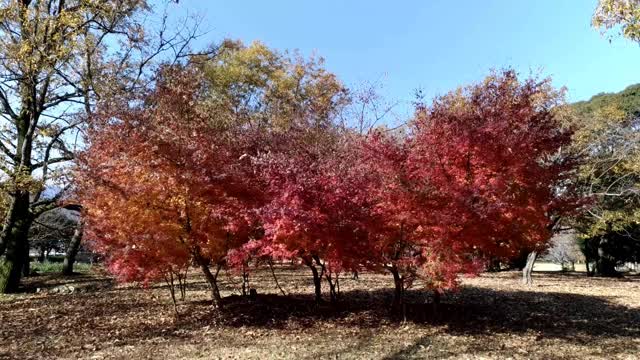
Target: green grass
[(53, 267)]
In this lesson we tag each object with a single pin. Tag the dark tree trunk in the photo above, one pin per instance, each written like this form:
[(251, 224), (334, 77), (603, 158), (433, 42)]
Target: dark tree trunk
[(317, 282), (15, 239), (41, 255), (436, 302), (212, 279), (494, 265), (333, 288), (398, 294), (72, 250), (245, 281), (12, 268), (26, 264), (586, 265), (528, 268), (604, 262)]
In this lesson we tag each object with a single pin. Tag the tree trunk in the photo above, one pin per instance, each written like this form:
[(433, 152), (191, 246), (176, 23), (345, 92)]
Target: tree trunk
[(212, 279), (317, 282), (398, 295), (245, 281), (273, 273), (605, 263), (436, 302), (72, 250), (15, 238), (528, 269), (41, 255), (586, 265), (26, 264), (494, 265), (333, 292)]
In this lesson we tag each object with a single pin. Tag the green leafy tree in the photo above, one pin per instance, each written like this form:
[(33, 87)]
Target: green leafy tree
[(608, 139)]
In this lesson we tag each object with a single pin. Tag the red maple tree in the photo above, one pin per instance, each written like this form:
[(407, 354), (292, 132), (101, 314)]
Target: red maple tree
[(477, 176), (162, 187)]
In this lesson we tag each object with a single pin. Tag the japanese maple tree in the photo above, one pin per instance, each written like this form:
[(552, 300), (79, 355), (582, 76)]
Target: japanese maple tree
[(477, 175), (162, 187), (318, 208)]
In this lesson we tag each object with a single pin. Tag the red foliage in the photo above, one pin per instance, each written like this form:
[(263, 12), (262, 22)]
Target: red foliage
[(318, 203), (163, 188), (479, 176)]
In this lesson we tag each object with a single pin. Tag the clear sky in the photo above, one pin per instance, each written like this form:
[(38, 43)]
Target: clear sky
[(435, 45)]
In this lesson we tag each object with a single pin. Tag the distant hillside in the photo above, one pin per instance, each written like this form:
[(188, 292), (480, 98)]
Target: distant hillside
[(628, 100)]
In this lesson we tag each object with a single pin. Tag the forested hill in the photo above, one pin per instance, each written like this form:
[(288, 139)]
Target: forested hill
[(627, 100)]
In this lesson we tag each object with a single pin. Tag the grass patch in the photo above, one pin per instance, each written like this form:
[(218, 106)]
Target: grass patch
[(55, 267)]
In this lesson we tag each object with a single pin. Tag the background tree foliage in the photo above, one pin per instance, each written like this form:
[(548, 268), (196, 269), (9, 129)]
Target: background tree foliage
[(622, 14), (607, 138), (52, 231), (260, 87)]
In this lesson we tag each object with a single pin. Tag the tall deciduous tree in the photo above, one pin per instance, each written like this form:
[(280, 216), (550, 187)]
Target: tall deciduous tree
[(59, 57), (458, 189), (319, 209)]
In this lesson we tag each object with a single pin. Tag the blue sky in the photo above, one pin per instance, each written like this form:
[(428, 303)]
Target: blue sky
[(435, 45)]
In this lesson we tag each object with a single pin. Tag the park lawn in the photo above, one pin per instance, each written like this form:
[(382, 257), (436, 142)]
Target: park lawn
[(564, 316)]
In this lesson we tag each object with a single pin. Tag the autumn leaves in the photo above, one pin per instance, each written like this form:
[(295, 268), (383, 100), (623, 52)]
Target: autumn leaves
[(243, 157)]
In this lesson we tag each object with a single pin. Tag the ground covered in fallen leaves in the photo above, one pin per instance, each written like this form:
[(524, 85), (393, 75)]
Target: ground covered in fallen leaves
[(564, 316)]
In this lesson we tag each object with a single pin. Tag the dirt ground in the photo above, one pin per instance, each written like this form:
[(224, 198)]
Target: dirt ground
[(563, 316)]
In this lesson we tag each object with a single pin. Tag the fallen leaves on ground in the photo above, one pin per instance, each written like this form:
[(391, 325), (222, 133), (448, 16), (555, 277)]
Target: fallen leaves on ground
[(492, 316)]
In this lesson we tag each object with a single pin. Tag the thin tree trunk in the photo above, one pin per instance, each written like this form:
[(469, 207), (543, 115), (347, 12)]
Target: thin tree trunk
[(182, 282), (273, 273), (398, 295), (72, 250), (528, 268), (333, 293), (317, 280), (26, 265), (172, 291), (317, 283), (586, 265), (436, 302), (212, 279)]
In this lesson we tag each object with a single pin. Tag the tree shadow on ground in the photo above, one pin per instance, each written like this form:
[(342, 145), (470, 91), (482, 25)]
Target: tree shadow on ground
[(472, 311), (82, 281)]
